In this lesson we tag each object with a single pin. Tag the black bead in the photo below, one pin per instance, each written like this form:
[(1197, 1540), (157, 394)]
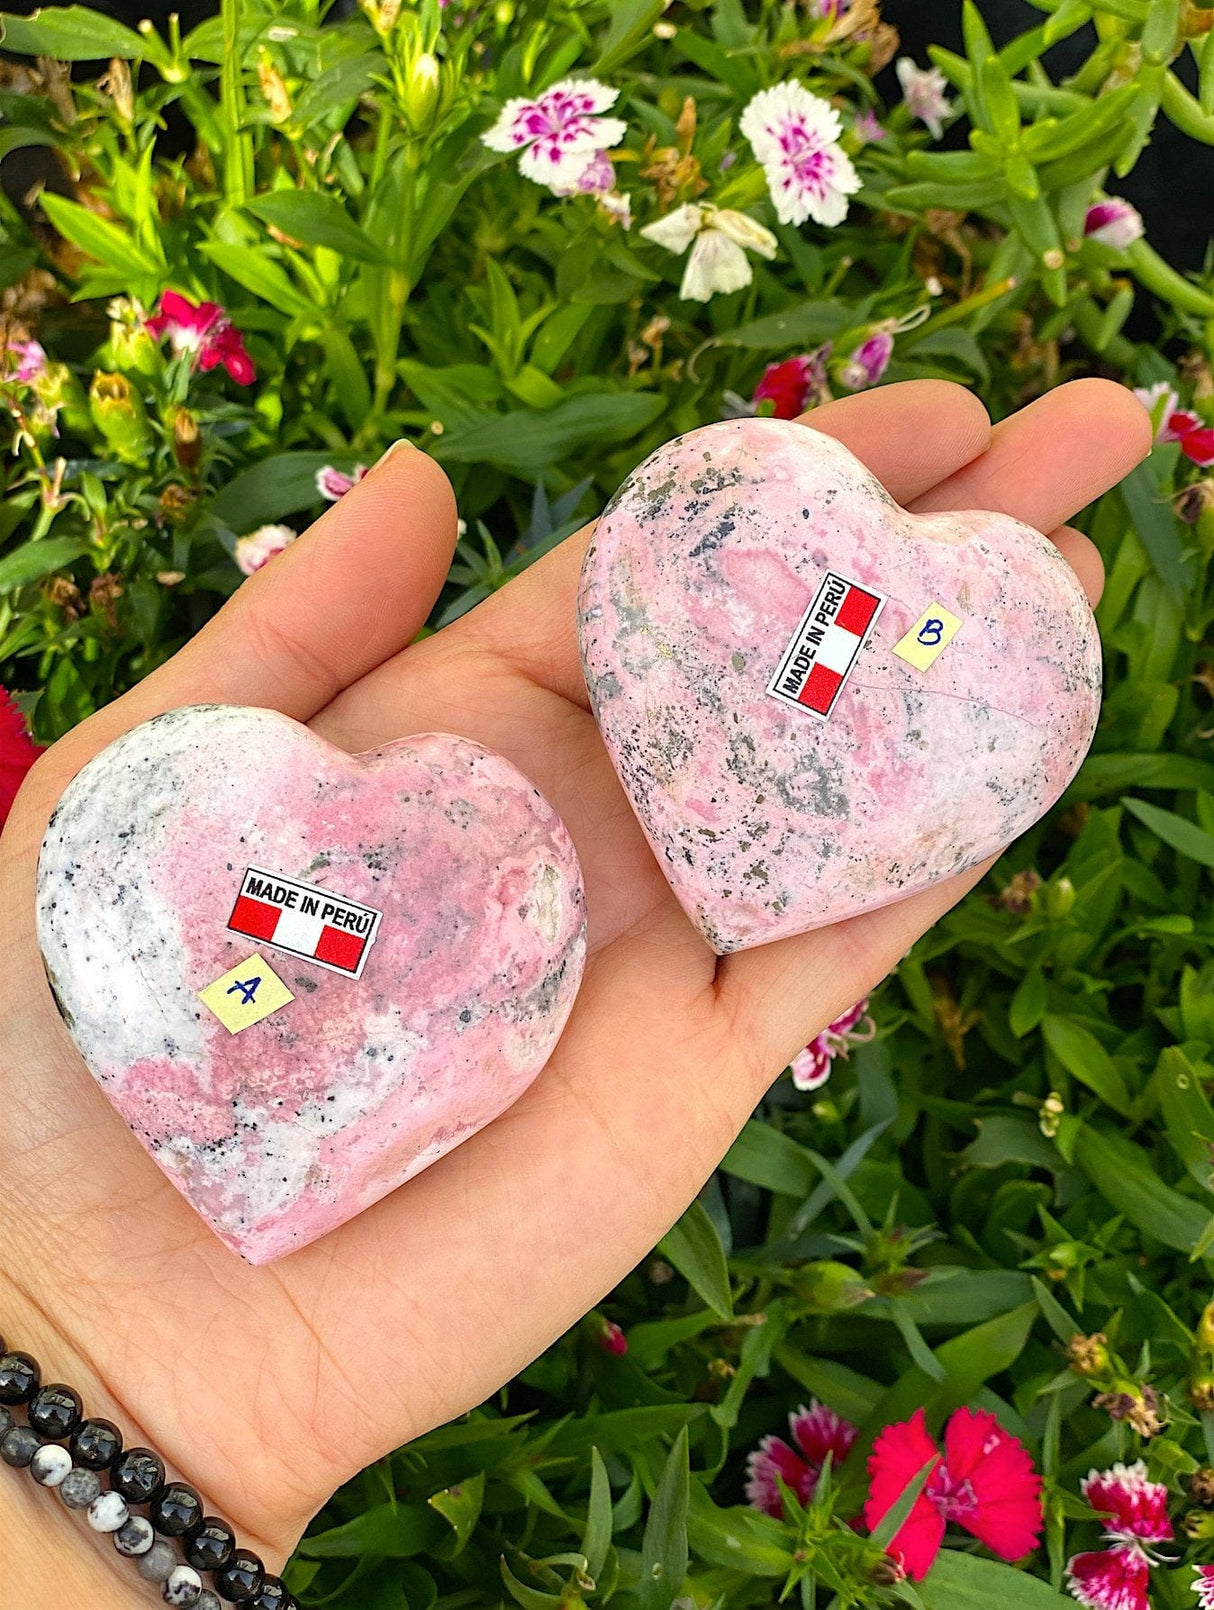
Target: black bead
[(55, 1411), (210, 1544), (18, 1446), (175, 1510), (138, 1475), (240, 1578), (20, 1378), (96, 1444), (272, 1595)]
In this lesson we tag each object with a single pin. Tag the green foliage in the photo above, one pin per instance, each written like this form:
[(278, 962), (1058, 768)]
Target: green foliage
[(1023, 1154)]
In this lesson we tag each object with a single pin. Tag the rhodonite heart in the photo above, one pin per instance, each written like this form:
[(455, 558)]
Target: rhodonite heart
[(302, 976), (816, 702)]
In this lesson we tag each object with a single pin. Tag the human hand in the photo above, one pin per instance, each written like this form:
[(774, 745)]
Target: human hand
[(267, 1387)]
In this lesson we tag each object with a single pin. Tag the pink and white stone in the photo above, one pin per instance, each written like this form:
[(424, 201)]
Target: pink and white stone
[(288, 1128), (766, 821)]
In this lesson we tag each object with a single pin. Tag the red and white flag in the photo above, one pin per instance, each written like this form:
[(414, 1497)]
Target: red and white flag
[(826, 645), (304, 920)]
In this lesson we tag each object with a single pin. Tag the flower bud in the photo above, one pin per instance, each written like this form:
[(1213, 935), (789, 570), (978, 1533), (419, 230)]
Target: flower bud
[(612, 1339), (187, 449), (118, 413), (1200, 1486), (1198, 1524), (423, 92), (1060, 900), (1204, 1334), (831, 1288), (1201, 1393), (1089, 1355)]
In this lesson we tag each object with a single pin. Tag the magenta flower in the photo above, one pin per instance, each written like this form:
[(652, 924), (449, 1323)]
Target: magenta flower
[(206, 332), (612, 1339), (1203, 1586), (1136, 1518), (795, 138), (333, 483), (789, 385), (18, 752), (817, 1431), (868, 362), (23, 361), (984, 1481), (868, 128), (1115, 222), (561, 134), (812, 1067), (924, 91), (260, 546)]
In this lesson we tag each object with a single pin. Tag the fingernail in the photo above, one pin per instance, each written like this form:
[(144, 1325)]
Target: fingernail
[(395, 448)]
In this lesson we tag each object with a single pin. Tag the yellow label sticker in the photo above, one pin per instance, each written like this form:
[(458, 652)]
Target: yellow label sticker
[(928, 637), (246, 995)]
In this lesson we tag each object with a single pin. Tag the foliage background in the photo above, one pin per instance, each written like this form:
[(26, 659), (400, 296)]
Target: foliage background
[(1025, 1152)]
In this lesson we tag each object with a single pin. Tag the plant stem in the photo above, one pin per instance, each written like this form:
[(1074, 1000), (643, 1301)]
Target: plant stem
[(238, 145)]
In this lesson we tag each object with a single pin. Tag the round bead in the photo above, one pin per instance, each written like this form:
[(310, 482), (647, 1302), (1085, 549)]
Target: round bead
[(273, 1595), (209, 1601), (157, 1564), (55, 1411), (19, 1378), (50, 1464), (79, 1487), (6, 1420), (184, 1586), (18, 1446), (138, 1475), (176, 1510), (136, 1537), (210, 1544), (109, 1512), (240, 1578), (96, 1444)]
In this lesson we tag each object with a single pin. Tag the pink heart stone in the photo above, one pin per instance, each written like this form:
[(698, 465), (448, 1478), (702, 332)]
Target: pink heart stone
[(172, 858), (759, 554)]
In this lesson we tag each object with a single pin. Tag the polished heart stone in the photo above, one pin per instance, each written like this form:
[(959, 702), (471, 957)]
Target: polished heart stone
[(768, 816), (282, 1129)]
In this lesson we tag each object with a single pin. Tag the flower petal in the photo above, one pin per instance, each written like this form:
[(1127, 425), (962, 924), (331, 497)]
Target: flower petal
[(898, 1455), (1203, 1586), (677, 229), (1110, 1579), (519, 122), (819, 1431), (716, 263), (585, 95), (742, 228), (1006, 1514), (773, 1457), (1136, 1508)]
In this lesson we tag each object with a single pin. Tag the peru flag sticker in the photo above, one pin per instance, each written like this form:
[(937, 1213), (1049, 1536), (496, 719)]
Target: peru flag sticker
[(826, 645), (316, 924)]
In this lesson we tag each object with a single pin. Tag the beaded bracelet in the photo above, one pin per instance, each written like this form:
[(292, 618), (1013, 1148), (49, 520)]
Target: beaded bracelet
[(54, 1415)]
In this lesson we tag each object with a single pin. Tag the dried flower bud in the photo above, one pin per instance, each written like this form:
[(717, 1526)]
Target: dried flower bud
[(118, 413), (1201, 1393), (1089, 1355), (887, 1573), (1138, 1406), (1017, 896), (187, 449), (117, 83), (1191, 503), (1200, 1486), (274, 88)]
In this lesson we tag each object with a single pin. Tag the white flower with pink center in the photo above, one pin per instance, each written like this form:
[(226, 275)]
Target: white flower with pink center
[(795, 137), (812, 1067), (260, 546), (1110, 1579), (333, 483), (1135, 1508), (923, 89), (1203, 1586), (1114, 222), (561, 133)]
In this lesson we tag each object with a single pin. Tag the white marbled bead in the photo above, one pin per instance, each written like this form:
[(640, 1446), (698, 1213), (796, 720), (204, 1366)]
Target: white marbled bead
[(136, 1537), (50, 1464), (108, 1512), (209, 1601), (79, 1487), (184, 1586)]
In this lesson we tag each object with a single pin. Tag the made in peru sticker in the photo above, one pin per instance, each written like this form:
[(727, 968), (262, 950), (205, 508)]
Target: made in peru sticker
[(826, 645), (303, 920)]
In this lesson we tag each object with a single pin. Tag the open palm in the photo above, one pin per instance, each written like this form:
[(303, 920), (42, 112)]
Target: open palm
[(268, 1387)]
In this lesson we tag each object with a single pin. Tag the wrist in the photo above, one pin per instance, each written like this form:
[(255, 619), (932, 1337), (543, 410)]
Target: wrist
[(49, 1554)]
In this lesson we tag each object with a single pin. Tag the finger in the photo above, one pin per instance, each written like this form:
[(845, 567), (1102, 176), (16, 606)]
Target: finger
[(910, 435), (348, 595), (1042, 465), (1083, 556), (1051, 459)]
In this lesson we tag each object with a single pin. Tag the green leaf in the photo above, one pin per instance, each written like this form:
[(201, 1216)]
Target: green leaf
[(1126, 1178), (1113, 774), (17, 137), (33, 560), (1085, 1059), (317, 219), (1151, 516), (664, 1546), (596, 1538), (1183, 836), (529, 444), (396, 1531), (766, 1157), (631, 27), (968, 1582), (804, 325), (460, 1506), (1028, 1004), (694, 1248), (249, 266), (1005, 1138), (891, 1522), (99, 238), (72, 33), (738, 1538), (280, 485), (1187, 1113), (528, 1598)]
